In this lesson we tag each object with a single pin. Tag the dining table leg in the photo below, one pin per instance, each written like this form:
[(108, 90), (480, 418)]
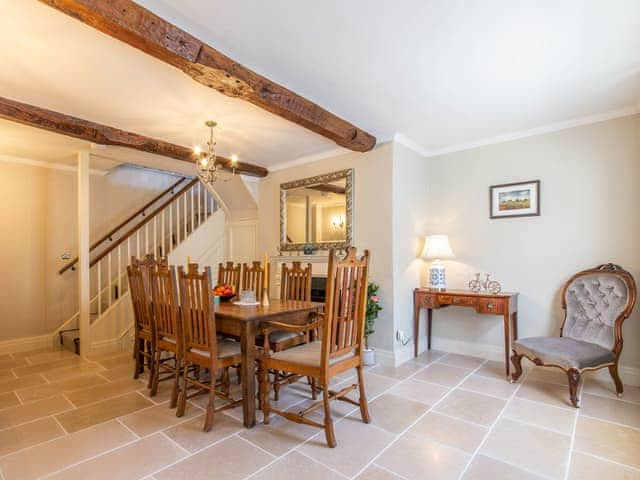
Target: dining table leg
[(248, 350)]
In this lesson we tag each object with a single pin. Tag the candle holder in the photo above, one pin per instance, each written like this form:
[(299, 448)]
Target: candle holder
[(265, 297)]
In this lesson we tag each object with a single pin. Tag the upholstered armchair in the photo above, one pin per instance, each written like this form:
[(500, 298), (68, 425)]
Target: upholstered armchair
[(596, 302)]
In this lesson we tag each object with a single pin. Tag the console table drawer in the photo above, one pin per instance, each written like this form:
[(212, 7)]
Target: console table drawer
[(428, 301), (490, 305), (457, 300)]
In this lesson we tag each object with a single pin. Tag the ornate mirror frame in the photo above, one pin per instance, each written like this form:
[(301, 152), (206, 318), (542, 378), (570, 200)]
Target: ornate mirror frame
[(305, 182)]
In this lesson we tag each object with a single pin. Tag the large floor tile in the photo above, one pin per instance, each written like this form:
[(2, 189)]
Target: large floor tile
[(27, 434), (549, 375), (462, 361), (72, 371), (7, 363), (95, 413), (374, 385), (280, 436), (231, 459), (608, 440), (489, 386), (471, 406), (442, 374), (12, 384), (63, 452), (485, 468), (64, 386), (550, 393), (420, 391), (190, 436), (291, 466), (429, 356), (586, 467), (118, 373), (449, 431), (535, 449), (374, 472), (117, 361), (546, 416), (400, 373), (418, 458), (152, 420), (493, 369), (392, 413), (27, 370), (352, 453), (12, 416), (8, 399), (604, 386), (103, 391), (48, 357), (611, 409), (133, 461)]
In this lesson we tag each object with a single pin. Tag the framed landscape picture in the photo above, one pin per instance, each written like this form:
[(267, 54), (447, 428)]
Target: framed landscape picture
[(520, 199)]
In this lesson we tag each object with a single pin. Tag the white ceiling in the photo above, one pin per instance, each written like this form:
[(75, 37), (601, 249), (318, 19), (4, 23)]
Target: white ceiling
[(440, 73)]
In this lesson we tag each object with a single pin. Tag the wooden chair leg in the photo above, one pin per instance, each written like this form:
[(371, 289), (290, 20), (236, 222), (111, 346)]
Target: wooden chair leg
[(176, 383), (182, 396), (613, 370), (139, 360), (574, 382), (364, 408), (328, 422), (154, 374), (225, 382), (314, 392), (276, 385), (238, 374), (211, 408), (264, 393), (517, 363)]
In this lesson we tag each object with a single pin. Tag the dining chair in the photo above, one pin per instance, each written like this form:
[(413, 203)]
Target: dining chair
[(596, 303), (202, 348), (229, 274), (295, 284), (253, 278), (338, 350), (144, 325), (164, 298)]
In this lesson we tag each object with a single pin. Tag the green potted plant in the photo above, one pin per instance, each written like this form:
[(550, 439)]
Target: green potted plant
[(373, 308)]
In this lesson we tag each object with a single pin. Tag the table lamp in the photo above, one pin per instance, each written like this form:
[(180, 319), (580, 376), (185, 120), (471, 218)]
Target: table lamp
[(437, 247)]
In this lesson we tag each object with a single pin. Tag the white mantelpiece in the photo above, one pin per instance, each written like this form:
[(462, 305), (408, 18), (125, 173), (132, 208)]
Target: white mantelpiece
[(318, 268)]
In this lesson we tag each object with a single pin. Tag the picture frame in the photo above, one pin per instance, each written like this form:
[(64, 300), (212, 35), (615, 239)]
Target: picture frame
[(510, 200)]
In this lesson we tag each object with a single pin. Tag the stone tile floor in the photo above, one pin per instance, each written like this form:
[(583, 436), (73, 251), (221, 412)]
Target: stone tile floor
[(441, 416)]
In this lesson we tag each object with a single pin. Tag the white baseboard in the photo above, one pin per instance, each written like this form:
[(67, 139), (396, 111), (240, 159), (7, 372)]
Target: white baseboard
[(385, 357), (629, 375), (28, 343)]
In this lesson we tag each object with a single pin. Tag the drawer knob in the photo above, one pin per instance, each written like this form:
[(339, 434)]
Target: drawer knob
[(490, 305)]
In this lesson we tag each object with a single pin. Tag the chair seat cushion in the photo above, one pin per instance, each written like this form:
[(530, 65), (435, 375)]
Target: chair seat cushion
[(565, 352), (308, 354), (280, 336), (226, 348)]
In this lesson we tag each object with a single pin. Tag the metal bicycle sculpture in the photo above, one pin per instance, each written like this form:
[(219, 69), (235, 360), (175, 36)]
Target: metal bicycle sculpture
[(491, 286)]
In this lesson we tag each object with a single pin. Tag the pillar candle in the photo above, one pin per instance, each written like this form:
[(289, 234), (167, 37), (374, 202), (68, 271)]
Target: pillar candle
[(266, 271)]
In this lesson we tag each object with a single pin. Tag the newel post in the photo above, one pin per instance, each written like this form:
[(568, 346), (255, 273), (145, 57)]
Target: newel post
[(84, 298)]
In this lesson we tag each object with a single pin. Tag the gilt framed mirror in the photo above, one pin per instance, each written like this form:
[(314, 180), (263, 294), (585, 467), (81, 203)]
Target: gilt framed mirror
[(317, 212)]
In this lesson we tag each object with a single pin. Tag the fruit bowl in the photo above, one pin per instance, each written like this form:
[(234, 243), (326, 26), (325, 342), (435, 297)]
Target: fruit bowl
[(225, 292)]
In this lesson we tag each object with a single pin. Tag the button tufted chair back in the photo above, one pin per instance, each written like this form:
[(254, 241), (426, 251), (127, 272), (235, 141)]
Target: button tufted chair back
[(597, 301)]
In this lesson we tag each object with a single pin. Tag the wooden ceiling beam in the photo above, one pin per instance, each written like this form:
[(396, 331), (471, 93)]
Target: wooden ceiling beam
[(105, 135), (140, 28)]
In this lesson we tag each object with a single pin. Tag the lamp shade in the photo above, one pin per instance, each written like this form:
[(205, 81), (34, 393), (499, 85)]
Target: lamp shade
[(436, 246)]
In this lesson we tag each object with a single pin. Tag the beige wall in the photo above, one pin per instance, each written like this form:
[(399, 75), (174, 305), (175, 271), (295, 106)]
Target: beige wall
[(372, 219), (38, 224), (589, 215)]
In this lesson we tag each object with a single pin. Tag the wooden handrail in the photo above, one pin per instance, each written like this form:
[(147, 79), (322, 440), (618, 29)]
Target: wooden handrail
[(144, 222), (131, 217)]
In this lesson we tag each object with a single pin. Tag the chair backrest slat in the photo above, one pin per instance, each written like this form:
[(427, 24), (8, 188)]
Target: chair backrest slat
[(196, 304), (295, 282), (253, 278), (345, 306), (229, 274), (139, 298), (165, 300)]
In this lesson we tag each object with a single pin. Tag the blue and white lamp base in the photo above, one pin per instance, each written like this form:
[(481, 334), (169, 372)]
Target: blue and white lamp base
[(437, 278)]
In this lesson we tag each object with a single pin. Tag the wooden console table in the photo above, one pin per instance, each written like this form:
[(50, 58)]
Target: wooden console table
[(505, 304)]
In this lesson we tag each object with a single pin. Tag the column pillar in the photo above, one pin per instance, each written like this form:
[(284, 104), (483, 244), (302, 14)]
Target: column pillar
[(84, 290)]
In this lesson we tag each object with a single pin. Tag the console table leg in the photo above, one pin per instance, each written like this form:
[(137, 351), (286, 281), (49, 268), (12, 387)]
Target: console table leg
[(507, 340), (429, 317), (416, 327), (515, 325)]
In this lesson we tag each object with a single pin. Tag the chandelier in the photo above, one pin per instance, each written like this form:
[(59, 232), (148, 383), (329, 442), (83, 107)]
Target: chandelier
[(208, 168)]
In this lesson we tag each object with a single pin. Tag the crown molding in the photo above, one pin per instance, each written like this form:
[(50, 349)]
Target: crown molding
[(507, 137), (50, 165), (334, 152)]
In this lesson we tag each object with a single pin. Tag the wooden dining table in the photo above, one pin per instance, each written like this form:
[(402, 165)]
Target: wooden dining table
[(244, 322)]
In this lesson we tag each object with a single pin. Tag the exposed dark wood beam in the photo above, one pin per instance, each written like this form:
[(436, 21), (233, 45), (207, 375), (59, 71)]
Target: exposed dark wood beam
[(105, 135), (137, 26)]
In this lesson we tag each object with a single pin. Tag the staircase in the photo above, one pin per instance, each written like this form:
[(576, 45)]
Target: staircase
[(157, 228)]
